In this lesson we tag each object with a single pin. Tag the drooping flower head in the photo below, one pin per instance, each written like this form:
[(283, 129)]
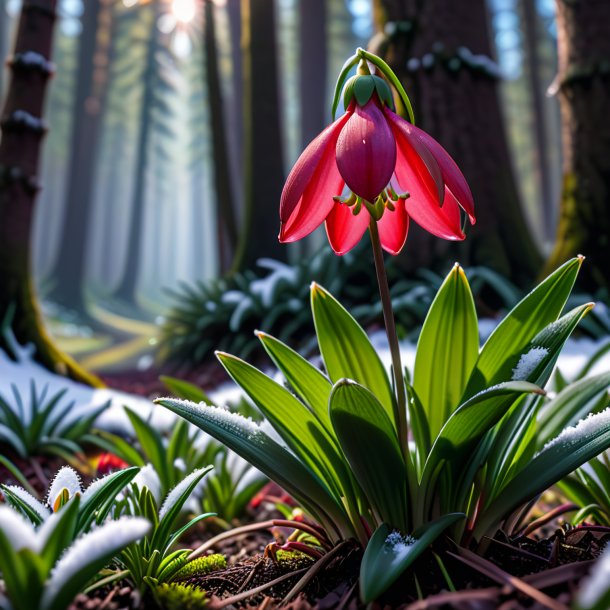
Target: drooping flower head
[(373, 164)]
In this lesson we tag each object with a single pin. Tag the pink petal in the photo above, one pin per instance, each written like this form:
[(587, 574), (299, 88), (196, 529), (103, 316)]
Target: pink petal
[(393, 228), (307, 197), (423, 205), (452, 176), (366, 151), (345, 230), (418, 163), (443, 222)]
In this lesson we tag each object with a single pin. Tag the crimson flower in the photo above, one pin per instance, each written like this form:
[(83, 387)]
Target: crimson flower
[(385, 167)]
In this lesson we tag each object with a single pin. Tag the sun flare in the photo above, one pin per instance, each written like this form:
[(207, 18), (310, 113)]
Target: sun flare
[(184, 10)]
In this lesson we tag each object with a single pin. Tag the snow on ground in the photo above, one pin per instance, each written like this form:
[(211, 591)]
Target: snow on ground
[(18, 375)]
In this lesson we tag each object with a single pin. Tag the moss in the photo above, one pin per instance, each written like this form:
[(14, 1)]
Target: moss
[(202, 565), (176, 596)]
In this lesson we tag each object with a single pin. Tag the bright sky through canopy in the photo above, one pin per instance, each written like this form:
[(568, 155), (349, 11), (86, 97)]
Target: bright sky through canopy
[(184, 10)]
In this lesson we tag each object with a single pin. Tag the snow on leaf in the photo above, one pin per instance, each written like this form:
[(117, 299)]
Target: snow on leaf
[(175, 494), (19, 532), (528, 362), (66, 478), (27, 498)]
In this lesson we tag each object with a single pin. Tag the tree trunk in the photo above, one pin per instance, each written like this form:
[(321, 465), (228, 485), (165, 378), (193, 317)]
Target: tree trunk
[(22, 131), (264, 172), (4, 22), (126, 289), (441, 50), (312, 68), (584, 95), (89, 104), (225, 193), (539, 127)]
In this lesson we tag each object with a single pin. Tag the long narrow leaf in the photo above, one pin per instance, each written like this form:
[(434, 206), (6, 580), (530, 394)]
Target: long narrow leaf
[(572, 448), (368, 440), (447, 350), (538, 309), (346, 349)]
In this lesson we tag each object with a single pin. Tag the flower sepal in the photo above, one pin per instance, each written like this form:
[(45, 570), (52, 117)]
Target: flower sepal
[(362, 86)]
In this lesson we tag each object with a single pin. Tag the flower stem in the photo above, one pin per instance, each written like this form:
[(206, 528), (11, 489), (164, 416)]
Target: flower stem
[(400, 404)]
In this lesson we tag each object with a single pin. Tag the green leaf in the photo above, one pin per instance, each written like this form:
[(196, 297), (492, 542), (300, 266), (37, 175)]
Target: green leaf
[(447, 350), (116, 445), (291, 419), (368, 440), (346, 349), (98, 498), (172, 506), (510, 338), (566, 452), (25, 502), (388, 554), (572, 404), (466, 427), (306, 380), (249, 441), (63, 531), (152, 445), (86, 557), (184, 389)]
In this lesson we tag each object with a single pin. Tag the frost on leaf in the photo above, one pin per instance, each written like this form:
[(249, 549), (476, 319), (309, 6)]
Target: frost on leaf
[(398, 545), (528, 362), (594, 422), (66, 478)]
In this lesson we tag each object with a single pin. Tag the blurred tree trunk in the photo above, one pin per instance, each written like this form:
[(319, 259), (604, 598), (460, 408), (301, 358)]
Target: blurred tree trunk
[(583, 84), (441, 50), (223, 183), (264, 172), (4, 23), (70, 268), (22, 131), (127, 286), (312, 68), (536, 86)]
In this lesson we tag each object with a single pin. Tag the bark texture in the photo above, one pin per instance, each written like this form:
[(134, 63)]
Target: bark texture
[(22, 132), (584, 93), (441, 50)]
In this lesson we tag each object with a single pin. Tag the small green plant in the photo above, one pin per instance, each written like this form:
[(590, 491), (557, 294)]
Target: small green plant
[(185, 450), (178, 596), (472, 414), (95, 504), (152, 560), (44, 567), (44, 424), (226, 491)]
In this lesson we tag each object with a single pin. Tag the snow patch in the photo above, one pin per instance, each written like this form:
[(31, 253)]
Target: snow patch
[(585, 427), (528, 362), (597, 584)]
